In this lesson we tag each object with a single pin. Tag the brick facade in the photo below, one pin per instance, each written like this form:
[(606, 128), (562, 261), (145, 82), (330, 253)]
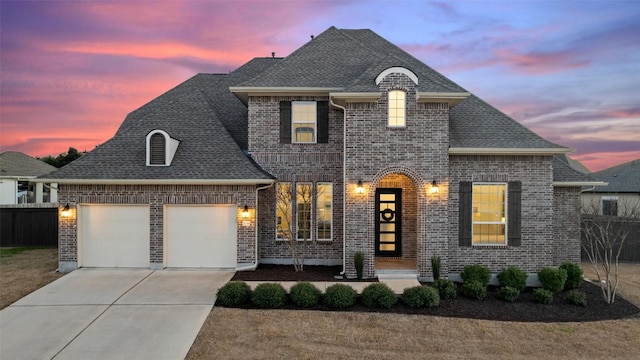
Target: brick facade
[(156, 197), (566, 224)]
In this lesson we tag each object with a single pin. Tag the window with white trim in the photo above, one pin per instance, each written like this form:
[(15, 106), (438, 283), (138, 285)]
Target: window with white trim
[(489, 214), (283, 211), (303, 121), (397, 108), (609, 205), (324, 211), (303, 210)]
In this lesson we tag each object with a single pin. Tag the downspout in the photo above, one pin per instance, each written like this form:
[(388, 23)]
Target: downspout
[(255, 263), (344, 185)]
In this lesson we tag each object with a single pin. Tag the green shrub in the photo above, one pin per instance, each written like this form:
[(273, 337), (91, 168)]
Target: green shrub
[(420, 296), (574, 275), (339, 296), (446, 288), (552, 279), (234, 293), (435, 267), (358, 262), (476, 272), (378, 295), (305, 294), (513, 277), (474, 289), (269, 296), (542, 296), (508, 293), (576, 297)]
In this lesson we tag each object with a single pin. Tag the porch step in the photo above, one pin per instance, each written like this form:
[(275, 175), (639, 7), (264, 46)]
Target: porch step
[(396, 274)]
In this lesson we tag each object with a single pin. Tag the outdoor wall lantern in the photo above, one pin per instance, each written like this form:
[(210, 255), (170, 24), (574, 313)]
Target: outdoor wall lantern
[(66, 211), (434, 187), (360, 188), (245, 212)]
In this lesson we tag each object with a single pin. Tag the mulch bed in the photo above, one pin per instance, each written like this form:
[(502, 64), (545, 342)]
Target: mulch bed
[(524, 309)]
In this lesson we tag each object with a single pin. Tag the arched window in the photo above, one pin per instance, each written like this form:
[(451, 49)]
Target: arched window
[(397, 108), (157, 149)]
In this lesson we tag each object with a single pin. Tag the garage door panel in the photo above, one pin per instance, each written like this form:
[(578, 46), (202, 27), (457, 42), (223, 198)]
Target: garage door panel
[(201, 236), (114, 236)]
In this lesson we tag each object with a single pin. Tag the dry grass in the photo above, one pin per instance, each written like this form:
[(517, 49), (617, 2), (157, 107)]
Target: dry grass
[(282, 334), (25, 272)]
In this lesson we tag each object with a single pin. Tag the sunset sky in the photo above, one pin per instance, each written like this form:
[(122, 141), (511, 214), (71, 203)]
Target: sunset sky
[(72, 70)]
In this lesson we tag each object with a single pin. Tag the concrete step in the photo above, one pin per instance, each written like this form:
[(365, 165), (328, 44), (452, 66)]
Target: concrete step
[(396, 274)]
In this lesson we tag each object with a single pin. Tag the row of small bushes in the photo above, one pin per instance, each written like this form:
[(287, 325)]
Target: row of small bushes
[(513, 281), (338, 296)]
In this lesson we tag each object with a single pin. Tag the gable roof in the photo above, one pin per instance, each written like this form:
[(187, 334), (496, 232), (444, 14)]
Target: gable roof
[(210, 151), (564, 175), (623, 178), (17, 164)]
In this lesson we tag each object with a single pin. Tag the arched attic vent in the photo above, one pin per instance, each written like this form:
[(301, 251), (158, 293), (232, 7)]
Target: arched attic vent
[(161, 148), (397, 69)]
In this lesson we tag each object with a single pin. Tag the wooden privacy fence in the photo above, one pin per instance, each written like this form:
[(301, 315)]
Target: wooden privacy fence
[(28, 227), (630, 249)]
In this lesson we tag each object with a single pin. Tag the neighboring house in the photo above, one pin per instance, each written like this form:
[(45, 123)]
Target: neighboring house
[(17, 170), (403, 163), (621, 193)]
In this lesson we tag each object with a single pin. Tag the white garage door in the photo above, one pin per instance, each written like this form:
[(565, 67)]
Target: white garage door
[(201, 236), (113, 236)]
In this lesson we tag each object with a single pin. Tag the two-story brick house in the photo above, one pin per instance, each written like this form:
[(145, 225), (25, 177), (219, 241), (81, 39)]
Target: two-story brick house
[(401, 162)]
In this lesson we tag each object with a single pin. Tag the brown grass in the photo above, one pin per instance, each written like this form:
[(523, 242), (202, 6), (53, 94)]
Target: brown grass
[(25, 272), (288, 334), (629, 277)]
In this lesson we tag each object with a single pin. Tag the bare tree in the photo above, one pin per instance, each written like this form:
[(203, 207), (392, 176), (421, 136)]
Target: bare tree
[(604, 237), (296, 234)]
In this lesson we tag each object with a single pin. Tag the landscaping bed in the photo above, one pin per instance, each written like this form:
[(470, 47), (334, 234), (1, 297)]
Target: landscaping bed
[(491, 308)]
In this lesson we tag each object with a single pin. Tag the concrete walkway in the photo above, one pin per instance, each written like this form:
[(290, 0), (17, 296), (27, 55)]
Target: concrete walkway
[(111, 314)]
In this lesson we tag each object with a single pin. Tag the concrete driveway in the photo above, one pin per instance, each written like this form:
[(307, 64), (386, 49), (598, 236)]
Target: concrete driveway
[(111, 314)]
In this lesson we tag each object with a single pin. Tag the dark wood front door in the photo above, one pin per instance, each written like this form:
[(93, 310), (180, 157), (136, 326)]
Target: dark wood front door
[(388, 222)]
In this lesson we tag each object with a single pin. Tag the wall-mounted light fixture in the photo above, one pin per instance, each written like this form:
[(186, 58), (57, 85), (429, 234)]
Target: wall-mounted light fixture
[(360, 188), (66, 211), (434, 187), (245, 212)]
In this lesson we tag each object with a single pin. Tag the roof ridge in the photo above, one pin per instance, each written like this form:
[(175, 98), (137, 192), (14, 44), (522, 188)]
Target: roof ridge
[(619, 166)]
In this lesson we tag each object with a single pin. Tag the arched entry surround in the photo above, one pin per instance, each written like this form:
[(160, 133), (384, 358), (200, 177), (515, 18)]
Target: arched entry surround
[(414, 229)]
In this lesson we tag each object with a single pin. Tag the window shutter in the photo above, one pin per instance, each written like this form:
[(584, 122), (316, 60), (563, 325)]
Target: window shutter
[(514, 216), (285, 122), (157, 148), (323, 121), (464, 211)]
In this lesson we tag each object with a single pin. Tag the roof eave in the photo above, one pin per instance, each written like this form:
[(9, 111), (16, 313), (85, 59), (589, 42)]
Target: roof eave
[(243, 92), (451, 98), (576, 183), (508, 151), (158, 181)]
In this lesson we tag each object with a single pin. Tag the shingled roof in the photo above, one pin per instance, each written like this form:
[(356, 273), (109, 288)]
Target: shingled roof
[(623, 178), (211, 122), (565, 174), (17, 164)]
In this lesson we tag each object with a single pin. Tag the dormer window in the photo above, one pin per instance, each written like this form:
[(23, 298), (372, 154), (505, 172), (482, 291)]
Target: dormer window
[(397, 108), (160, 148)]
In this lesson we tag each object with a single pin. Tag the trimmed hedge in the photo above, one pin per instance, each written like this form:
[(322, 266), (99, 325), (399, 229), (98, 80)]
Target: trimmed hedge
[(476, 272), (542, 296), (378, 295), (234, 293), (339, 296), (576, 297), (474, 289), (447, 289), (574, 275), (513, 277), (420, 296), (269, 296), (305, 294), (552, 279), (508, 293)]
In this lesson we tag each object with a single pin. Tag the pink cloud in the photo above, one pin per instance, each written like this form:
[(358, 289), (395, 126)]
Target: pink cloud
[(539, 63)]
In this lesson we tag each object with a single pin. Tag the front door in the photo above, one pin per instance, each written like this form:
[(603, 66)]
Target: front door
[(388, 222)]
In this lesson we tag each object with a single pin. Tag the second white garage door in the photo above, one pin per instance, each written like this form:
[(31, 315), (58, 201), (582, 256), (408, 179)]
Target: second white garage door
[(201, 236)]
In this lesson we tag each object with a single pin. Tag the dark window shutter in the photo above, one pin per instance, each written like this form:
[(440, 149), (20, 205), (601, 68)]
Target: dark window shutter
[(514, 216), (157, 148), (464, 221), (323, 121), (285, 122)]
